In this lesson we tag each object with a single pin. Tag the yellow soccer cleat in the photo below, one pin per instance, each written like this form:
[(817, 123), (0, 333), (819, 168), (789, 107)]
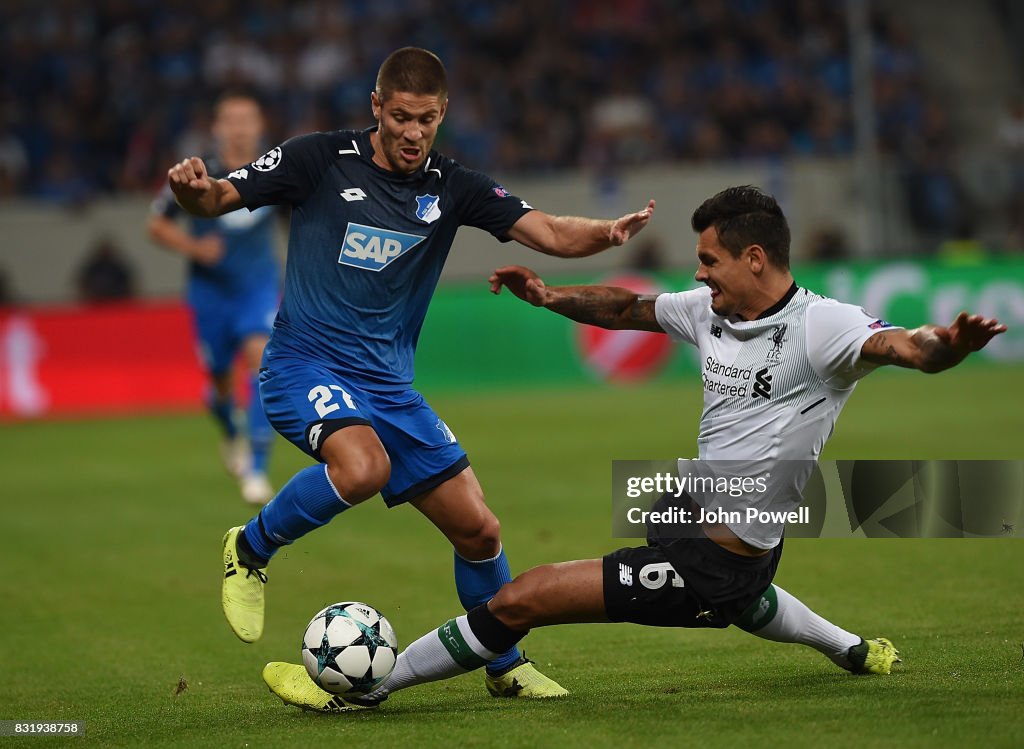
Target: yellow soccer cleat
[(241, 593), (292, 684), (878, 657), (524, 680)]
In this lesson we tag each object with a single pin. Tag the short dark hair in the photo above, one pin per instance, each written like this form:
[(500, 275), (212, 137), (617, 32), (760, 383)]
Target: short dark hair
[(414, 71), (744, 216), (237, 92)]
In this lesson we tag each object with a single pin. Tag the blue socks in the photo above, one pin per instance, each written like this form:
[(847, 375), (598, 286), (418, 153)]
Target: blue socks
[(261, 435), (223, 410), (476, 583), (309, 501), (305, 503)]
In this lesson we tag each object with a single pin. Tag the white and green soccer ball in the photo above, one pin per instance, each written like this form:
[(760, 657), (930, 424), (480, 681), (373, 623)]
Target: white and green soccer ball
[(349, 648)]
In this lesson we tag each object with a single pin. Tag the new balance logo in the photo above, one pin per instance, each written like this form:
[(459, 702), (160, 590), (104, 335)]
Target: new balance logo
[(716, 331), (352, 193), (762, 384), (625, 574), (762, 608)]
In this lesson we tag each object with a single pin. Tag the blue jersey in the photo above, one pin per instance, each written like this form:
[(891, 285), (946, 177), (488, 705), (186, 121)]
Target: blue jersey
[(366, 248), (248, 265)]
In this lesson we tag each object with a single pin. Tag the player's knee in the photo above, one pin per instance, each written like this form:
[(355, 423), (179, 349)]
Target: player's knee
[(480, 539), (253, 351), (517, 604), (360, 477)]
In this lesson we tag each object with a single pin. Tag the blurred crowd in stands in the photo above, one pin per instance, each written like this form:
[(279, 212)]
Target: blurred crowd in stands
[(103, 95)]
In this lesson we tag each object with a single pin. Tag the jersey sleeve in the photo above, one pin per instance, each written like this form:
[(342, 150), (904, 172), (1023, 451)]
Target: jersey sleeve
[(487, 205), (676, 313), (835, 334), (286, 174)]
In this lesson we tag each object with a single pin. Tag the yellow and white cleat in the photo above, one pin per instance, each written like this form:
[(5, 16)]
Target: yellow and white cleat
[(241, 592), (523, 680), (878, 657), (292, 684)]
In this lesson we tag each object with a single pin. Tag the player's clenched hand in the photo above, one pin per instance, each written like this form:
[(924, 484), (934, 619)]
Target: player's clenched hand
[(189, 175), (630, 224), (199, 193), (969, 333), (522, 282)]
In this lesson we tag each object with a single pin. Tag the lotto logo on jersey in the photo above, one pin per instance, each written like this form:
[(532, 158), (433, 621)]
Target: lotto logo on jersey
[(372, 248)]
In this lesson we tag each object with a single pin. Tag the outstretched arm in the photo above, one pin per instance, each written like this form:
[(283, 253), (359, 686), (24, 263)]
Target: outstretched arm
[(605, 306), (932, 348), (206, 250), (571, 236), (199, 193)]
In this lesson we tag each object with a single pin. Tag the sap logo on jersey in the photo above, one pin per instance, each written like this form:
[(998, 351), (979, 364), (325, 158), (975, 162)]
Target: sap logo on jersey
[(371, 248)]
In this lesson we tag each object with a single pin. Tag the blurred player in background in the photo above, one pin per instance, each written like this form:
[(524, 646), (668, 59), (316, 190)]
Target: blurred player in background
[(374, 216), (233, 291), (809, 352)]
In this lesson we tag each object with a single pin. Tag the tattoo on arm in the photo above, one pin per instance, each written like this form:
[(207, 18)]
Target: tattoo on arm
[(641, 313), (605, 306), (918, 349), (881, 349), (891, 354)]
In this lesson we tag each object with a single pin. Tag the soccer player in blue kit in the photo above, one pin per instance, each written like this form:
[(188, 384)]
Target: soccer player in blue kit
[(232, 291), (374, 214)]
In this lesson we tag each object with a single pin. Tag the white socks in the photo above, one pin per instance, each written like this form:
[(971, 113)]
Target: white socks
[(794, 622), (448, 651)]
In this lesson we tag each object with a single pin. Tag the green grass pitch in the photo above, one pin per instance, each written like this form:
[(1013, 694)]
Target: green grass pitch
[(110, 580)]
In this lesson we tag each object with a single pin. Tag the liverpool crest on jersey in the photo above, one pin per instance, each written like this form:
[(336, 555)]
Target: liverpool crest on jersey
[(778, 338), (427, 209)]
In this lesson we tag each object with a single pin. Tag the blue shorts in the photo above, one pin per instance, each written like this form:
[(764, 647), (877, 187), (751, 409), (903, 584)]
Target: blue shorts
[(307, 402), (222, 323)]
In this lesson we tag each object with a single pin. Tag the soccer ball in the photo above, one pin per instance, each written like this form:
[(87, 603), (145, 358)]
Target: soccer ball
[(349, 648)]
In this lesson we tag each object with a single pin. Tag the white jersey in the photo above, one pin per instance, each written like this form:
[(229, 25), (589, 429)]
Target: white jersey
[(774, 386)]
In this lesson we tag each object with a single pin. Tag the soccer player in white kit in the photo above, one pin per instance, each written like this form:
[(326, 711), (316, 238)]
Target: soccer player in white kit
[(778, 363)]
